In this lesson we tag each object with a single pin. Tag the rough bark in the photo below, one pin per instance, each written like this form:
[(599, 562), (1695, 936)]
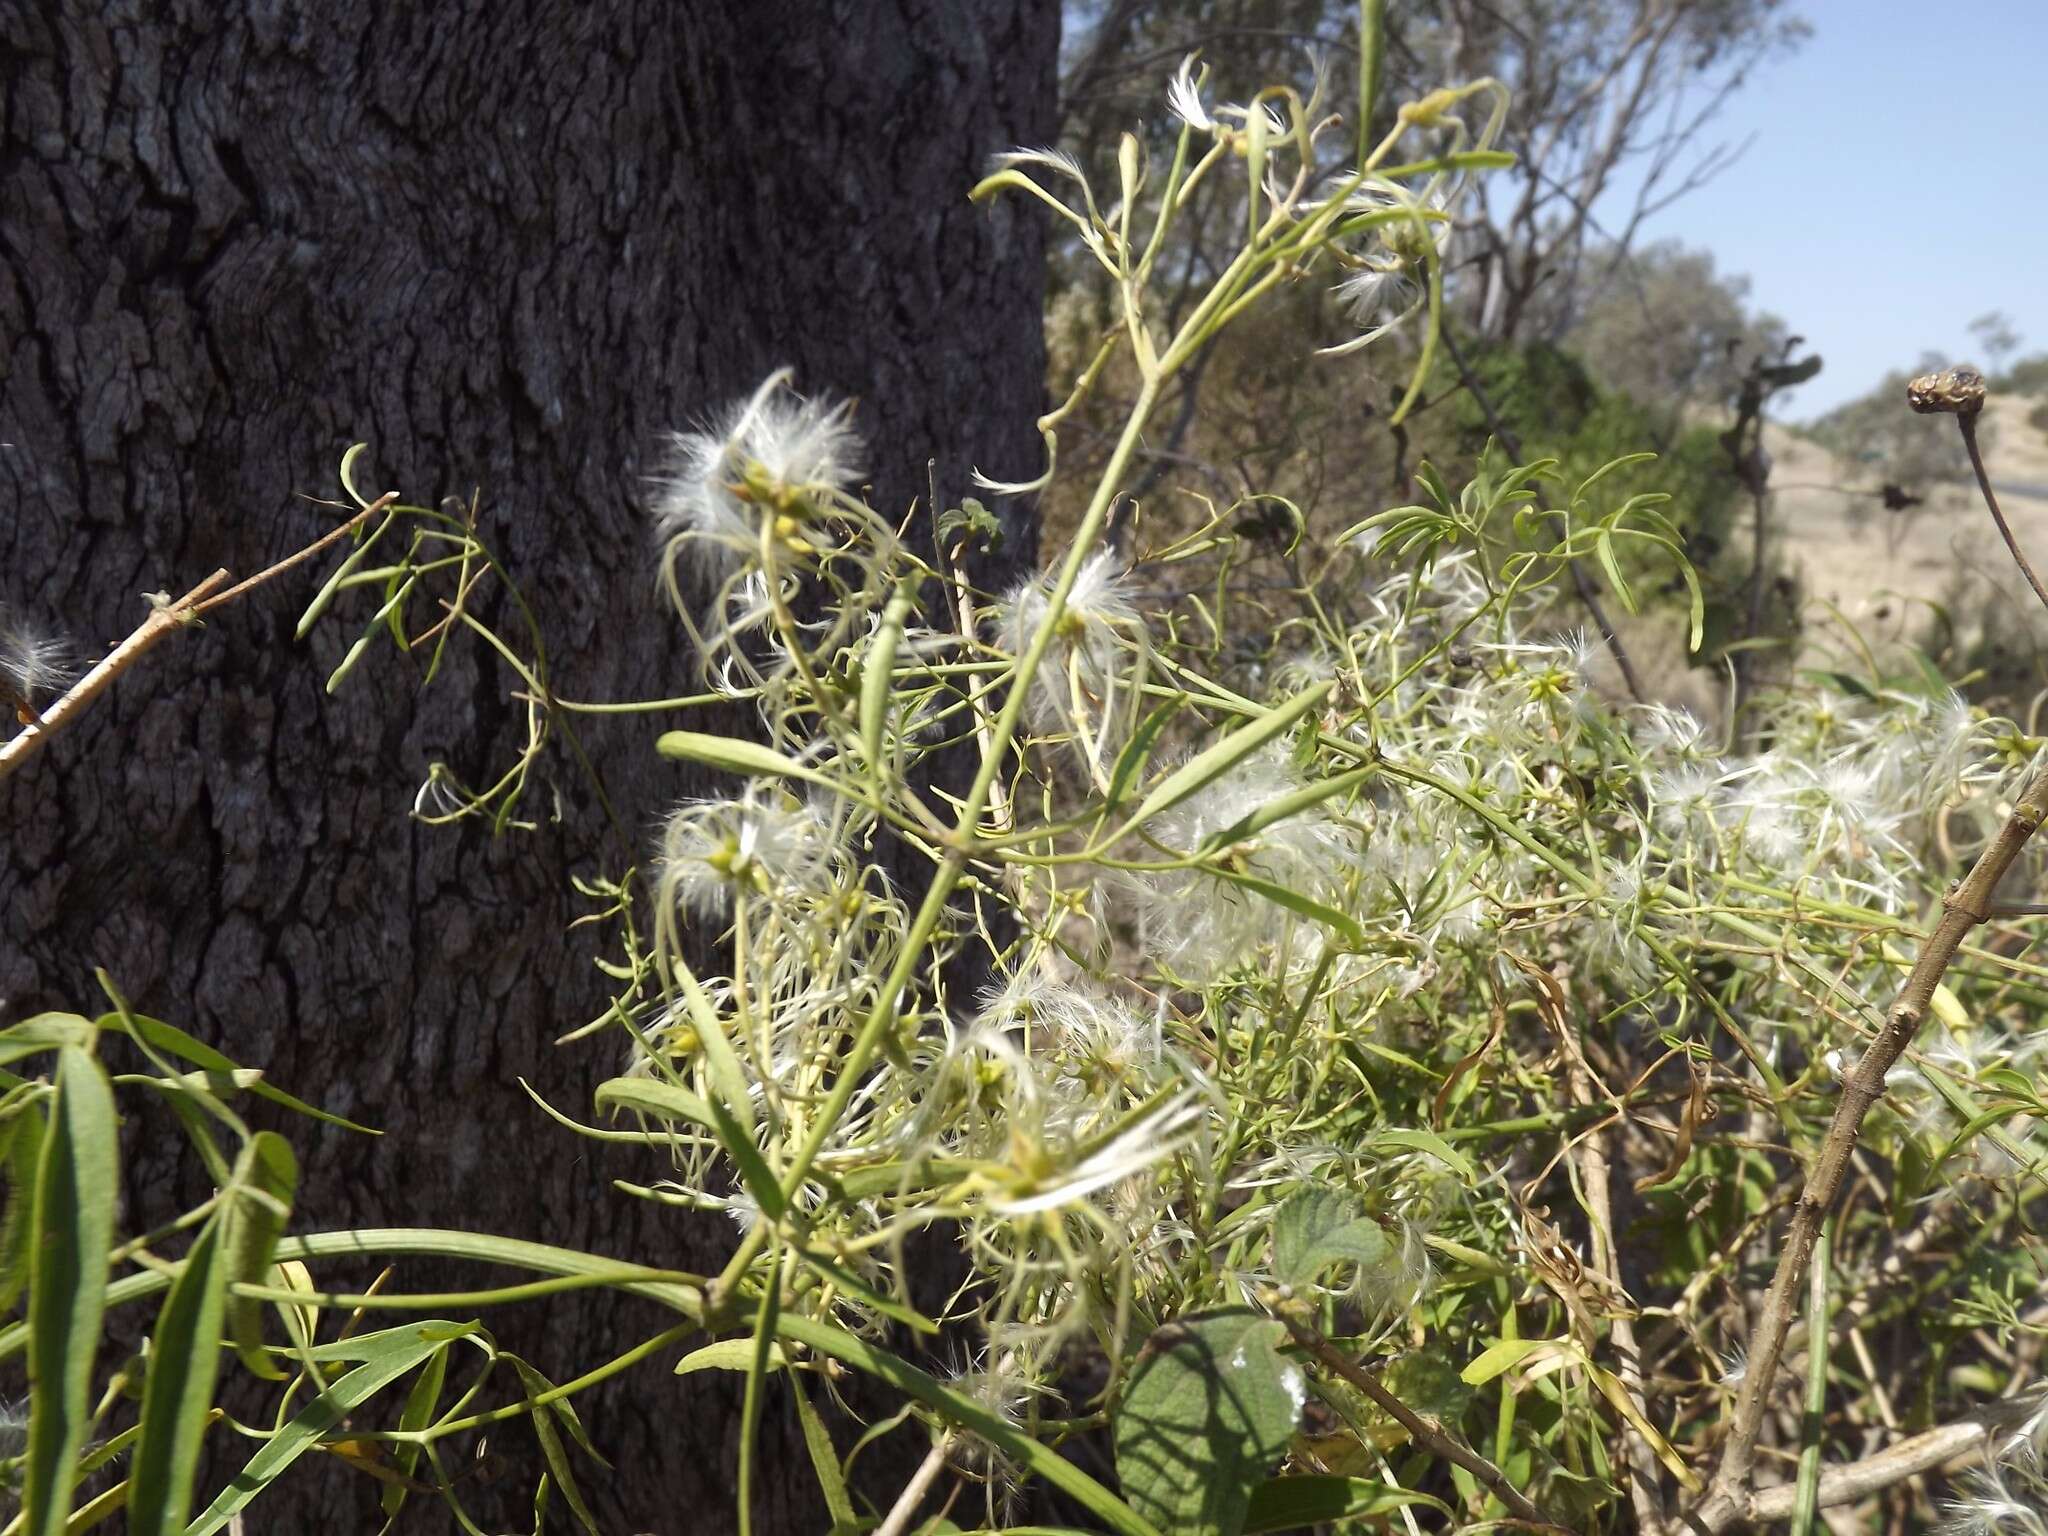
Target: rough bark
[(506, 245)]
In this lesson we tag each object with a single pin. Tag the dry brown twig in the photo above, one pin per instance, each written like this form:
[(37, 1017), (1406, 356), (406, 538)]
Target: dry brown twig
[(165, 617), (1596, 1178), (1426, 1435)]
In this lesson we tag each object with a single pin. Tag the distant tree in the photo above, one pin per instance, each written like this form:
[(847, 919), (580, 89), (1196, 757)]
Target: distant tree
[(1664, 327), (1615, 101), (1996, 336)]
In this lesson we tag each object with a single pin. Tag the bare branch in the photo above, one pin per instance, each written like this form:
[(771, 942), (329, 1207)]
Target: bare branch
[(1427, 1436), (164, 618)]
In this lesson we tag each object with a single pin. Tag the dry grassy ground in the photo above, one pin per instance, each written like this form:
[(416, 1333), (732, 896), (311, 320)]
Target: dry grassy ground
[(1881, 568), (1882, 571)]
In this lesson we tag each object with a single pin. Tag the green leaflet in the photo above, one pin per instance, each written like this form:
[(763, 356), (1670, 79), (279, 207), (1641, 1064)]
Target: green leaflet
[(385, 1357), (1318, 1228), (734, 756), (76, 1187), (968, 1414), (1210, 1407), (1295, 1503), (1207, 766), (184, 1361), (255, 1208)]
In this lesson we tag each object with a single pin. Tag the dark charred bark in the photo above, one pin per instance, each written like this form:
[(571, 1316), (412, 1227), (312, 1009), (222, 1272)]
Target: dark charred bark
[(506, 245)]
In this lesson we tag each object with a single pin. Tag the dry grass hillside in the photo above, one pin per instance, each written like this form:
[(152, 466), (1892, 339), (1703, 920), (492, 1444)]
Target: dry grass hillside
[(1884, 571), (1881, 568)]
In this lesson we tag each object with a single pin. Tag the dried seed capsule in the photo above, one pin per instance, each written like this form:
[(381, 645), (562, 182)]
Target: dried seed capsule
[(1952, 392)]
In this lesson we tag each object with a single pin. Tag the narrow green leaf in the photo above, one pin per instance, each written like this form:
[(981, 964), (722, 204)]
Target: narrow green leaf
[(1290, 805), (420, 1403), (857, 1289), (44, 1032), (348, 472), (386, 1357), (727, 1076), (759, 1367), (1137, 752), (25, 1129), (1414, 1139), (552, 1450), (330, 588), (1209, 1408), (1603, 545), (173, 1041), (257, 1205), (76, 1189), (1294, 901), (1607, 469), (824, 1459), (1040, 1460), (726, 1355), (184, 1360), (1296, 1503), (662, 1101), (878, 677), (1211, 764), (755, 1174), (1502, 1355), (731, 755)]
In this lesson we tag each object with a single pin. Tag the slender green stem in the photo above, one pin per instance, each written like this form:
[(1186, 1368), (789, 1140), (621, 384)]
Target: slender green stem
[(1806, 1498), (882, 1016), (1372, 20), (554, 1394)]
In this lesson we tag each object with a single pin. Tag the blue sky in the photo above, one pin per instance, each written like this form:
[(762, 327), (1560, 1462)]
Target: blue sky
[(1896, 188)]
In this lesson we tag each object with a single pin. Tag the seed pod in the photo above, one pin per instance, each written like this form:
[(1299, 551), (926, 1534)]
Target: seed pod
[(1951, 392)]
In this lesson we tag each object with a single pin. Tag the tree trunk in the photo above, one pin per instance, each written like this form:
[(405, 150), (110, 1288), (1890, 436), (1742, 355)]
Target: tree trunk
[(507, 245)]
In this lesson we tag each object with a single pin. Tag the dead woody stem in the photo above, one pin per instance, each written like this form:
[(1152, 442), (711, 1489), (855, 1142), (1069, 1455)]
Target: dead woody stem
[(164, 618)]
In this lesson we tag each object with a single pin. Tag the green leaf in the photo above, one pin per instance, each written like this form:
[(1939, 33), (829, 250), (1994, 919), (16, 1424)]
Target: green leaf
[(1603, 545), (727, 1076), (726, 1355), (1502, 1355), (1209, 765), (1320, 1227), (440, 1242), (878, 677), (551, 1447), (1294, 1503), (1040, 1460), (662, 1101), (44, 1032), (385, 1357), (330, 588), (856, 1289), (173, 1041), (824, 1459), (1137, 752), (76, 1189), (1414, 1139), (1294, 901), (731, 755), (1210, 1406), (257, 1204), (1289, 805), (177, 1394), (24, 1151), (420, 1403)]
